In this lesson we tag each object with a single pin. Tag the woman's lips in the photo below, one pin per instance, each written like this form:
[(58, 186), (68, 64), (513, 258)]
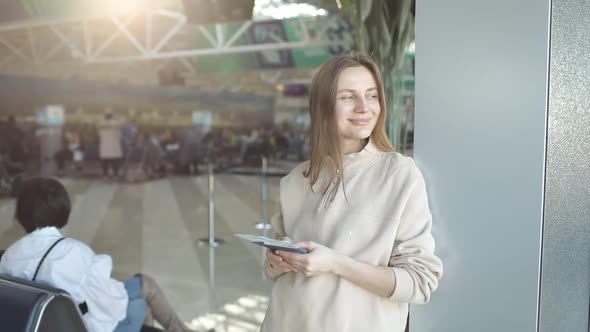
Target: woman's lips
[(360, 122)]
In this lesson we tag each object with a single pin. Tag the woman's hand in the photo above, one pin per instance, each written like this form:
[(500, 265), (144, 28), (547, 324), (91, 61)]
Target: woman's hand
[(277, 262), (320, 259)]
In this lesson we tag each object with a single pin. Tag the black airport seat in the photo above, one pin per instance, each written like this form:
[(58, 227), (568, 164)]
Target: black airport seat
[(30, 306)]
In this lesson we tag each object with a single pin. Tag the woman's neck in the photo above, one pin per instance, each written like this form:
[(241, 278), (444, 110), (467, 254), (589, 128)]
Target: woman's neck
[(353, 145)]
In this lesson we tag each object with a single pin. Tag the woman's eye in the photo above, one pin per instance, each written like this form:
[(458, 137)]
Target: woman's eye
[(347, 98), (373, 97)]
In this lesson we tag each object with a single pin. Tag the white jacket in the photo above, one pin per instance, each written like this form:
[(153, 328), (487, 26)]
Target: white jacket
[(73, 267)]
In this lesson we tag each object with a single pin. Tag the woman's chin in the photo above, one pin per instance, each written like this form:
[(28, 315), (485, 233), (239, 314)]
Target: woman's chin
[(361, 134)]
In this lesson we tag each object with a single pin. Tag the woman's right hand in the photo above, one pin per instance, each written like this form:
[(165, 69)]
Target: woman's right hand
[(277, 263)]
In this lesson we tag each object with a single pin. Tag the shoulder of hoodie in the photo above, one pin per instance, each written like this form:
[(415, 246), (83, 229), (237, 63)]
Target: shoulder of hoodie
[(296, 174), (396, 163), (391, 162)]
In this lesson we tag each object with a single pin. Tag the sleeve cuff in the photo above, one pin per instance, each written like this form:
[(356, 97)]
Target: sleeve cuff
[(404, 285)]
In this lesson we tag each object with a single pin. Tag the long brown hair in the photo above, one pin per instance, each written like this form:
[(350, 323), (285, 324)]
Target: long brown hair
[(325, 140)]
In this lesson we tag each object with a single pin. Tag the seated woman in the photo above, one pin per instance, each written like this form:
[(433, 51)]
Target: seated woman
[(43, 255)]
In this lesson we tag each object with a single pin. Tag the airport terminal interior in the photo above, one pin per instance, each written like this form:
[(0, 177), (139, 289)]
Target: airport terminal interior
[(211, 104)]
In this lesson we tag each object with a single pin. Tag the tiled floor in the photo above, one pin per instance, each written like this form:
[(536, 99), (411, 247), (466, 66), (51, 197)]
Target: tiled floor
[(155, 227)]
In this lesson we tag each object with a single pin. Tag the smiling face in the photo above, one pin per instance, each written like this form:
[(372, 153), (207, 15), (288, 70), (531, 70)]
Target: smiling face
[(356, 107), (345, 102)]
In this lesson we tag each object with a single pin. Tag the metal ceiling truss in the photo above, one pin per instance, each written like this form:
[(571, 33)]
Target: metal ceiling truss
[(99, 39)]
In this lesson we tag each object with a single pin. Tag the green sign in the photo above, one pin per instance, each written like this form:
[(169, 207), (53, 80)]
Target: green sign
[(289, 30)]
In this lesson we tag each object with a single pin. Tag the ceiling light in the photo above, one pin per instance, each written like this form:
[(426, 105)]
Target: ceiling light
[(281, 10)]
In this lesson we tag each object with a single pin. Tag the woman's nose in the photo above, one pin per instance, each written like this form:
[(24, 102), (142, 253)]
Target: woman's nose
[(362, 105)]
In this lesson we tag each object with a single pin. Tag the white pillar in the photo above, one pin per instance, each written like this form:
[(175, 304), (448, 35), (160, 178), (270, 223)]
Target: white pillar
[(506, 162)]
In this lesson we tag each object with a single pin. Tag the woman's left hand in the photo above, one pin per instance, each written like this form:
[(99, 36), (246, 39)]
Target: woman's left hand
[(320, 259)]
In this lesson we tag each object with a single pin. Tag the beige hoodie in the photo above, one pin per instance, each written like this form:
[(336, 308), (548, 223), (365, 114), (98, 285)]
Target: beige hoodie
[(386, 222)]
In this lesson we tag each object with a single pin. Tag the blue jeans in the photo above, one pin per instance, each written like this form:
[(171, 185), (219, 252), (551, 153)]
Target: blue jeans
[(136, 309)]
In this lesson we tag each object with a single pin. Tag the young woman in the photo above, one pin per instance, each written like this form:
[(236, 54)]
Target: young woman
[(359, 208), (43, 255)]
